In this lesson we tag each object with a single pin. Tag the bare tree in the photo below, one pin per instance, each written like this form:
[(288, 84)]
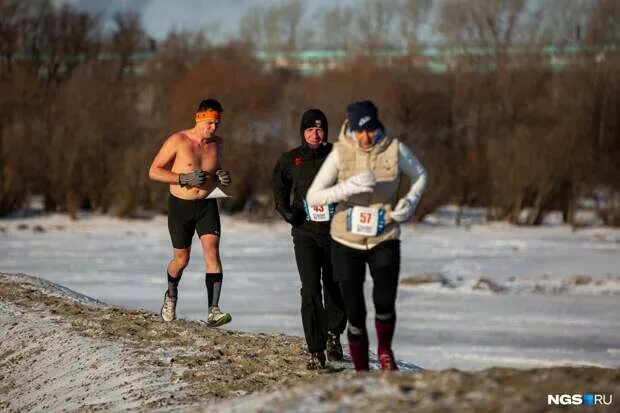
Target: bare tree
[(375, 22), (337, 30), (604, 22), (58, 40), (13, 13), (514, 133), (493, 23), (291, 14), (252, 28), (412, 15), (563, 22), (127, 39), (274, 28)]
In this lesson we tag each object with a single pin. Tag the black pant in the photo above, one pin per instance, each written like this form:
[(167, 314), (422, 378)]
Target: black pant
[(313, 256), (188, 216), (350, 268)]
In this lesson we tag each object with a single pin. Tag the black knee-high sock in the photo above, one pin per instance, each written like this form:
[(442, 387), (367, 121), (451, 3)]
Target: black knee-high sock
[(213, 282), (173, 283)]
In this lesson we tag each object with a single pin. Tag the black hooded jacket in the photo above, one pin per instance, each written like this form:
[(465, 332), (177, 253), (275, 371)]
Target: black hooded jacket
[(295, 171)]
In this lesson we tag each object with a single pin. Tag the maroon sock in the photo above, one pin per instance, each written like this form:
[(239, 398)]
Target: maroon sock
[(385, 333), (358, 346)]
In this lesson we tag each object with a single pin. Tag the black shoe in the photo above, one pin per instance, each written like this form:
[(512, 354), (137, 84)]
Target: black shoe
[(334, 349), (316, 362)]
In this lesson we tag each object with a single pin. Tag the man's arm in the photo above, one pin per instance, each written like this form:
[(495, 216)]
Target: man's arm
[(323, 191), (223, 176), (160, 169), (282, 185), (412, 167)]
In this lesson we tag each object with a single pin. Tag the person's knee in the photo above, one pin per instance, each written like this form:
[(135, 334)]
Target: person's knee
[(385, 316), (181, 259), (210, 241), (356, 330), (353, 298), (385, 304), (211, 247), (310, 289), (384, 299), (384, 293), (212, 257), (356, 316)]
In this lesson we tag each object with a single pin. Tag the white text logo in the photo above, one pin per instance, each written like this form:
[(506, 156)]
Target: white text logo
[(588, 399)]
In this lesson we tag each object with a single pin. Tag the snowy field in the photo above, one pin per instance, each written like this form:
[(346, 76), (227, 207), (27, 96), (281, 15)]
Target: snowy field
[(493, 294)]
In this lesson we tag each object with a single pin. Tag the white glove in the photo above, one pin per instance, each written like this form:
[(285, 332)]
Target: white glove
[(405, 208), (358, 184)]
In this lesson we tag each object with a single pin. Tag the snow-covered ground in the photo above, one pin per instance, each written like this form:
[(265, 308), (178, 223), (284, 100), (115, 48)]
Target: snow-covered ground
[(556, 298)]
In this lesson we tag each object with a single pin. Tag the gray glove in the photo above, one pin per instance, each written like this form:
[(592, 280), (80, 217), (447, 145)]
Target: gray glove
[(193, 178), (405, 208), (223, 177)]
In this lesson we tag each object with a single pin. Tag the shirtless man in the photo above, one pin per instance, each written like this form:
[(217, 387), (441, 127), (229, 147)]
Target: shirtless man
[(189, 161)]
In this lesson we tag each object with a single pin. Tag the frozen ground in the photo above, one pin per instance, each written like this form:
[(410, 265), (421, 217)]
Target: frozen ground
[(62, 351), (557, 296)]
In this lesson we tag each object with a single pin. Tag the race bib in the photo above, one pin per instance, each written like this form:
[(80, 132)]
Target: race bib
[(319, 213), (365, 221)]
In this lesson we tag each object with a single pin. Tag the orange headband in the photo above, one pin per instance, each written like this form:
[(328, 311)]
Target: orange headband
[(208, 114)]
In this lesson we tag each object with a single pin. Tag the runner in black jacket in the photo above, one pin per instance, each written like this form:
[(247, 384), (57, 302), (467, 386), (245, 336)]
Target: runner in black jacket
[(295, 170)]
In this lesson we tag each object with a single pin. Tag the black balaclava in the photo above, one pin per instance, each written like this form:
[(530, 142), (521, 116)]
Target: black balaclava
[(313, 118)]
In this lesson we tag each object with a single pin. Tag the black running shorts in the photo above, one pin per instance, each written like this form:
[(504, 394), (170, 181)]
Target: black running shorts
[(186, 216)]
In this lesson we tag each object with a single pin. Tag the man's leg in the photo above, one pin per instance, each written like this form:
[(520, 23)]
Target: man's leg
[(384, 263), (209, 229), (350, 267), (178, 263), (334, 305), (308, 256), (181, 228), (213, 276), (213, 279)]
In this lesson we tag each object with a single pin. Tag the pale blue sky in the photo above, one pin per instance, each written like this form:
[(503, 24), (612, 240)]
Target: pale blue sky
[(160, 16), (219, 19)]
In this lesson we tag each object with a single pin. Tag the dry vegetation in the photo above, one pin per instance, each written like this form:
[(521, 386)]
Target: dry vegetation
[(81, 118)]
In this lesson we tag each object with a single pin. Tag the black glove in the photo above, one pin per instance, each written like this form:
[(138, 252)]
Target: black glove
[(294, 217), (289, 217), (193, 178), (223, 177)]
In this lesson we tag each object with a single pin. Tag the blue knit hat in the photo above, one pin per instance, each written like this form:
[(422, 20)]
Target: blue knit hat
[(363, 115)]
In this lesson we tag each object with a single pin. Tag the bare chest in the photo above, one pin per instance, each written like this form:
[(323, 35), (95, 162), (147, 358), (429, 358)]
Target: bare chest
[(197, 156)]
